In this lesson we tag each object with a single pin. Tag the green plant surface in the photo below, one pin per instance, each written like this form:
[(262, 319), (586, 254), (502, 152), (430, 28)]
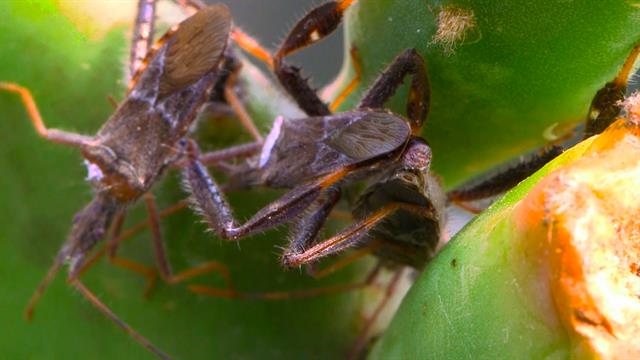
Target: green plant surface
[(42, 185), (468, 303), (520, 70), (549, 271), (517, 73)]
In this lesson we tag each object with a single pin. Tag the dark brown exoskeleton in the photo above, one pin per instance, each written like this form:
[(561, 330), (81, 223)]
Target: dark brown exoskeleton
[(318, 155), (141, 139), (399, 216)]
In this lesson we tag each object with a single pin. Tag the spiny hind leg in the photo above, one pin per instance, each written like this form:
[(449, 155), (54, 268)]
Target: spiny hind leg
[(347, 238), (503, 180), (409, 62), (314, 26), (210, 200)]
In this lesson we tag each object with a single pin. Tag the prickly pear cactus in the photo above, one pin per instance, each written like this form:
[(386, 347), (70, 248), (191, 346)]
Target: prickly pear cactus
[(506, 77)]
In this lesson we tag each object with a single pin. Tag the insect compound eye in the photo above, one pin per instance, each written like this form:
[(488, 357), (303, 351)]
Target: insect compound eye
[(417, 156)]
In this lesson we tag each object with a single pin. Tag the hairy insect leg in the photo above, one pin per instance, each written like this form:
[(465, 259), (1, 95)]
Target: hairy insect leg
[(142, 39), (53, 135), (209, 200), (93, 299), (349, 237), (346, 260), (209, 158), (605, 108), (289, 76), (298, 87), (361, 341), (408, 62), (305, 230), (504, 180), (355, 60)]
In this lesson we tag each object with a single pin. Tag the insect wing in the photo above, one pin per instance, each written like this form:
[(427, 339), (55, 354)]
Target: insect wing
[(369, 136), (196, 48)]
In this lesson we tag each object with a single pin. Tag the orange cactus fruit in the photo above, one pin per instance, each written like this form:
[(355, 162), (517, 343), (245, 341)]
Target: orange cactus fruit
[(581, 225)]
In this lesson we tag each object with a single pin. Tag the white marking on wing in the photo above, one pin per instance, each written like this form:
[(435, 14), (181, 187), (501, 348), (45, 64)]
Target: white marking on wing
[(270, 141)]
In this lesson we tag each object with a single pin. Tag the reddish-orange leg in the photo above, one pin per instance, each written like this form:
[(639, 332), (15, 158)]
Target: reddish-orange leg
[(119, 237), (254, 48), (112, 251), (238, 107), (53, 135), (346, 260), (99, 205), (92, 221), (353, 84), (142, 41), (163, 264), (111, 315), (294, 294), (361, 342)]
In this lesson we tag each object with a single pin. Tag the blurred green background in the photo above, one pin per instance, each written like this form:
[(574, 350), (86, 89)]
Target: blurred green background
[(526, 71), (42, 185)]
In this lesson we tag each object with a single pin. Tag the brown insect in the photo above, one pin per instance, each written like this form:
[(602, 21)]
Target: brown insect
[(145, 135), (399, 216)]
